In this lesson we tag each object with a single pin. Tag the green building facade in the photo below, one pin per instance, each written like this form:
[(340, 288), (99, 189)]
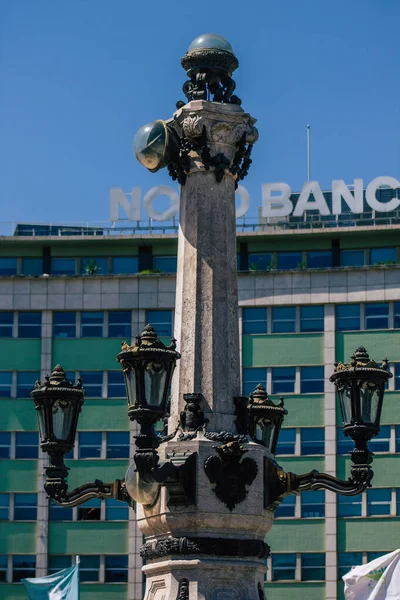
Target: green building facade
[(307, 299)]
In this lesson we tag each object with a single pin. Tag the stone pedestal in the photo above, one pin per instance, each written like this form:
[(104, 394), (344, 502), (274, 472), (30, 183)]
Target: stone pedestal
[(219, 550)]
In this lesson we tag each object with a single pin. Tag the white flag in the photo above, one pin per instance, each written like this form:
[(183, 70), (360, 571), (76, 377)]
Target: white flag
[(377, 580)]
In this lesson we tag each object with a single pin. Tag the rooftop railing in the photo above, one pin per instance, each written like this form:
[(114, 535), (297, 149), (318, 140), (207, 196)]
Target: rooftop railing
[(153, 227)]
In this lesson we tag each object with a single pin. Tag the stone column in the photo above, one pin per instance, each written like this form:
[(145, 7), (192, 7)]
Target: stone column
[(206, 313)]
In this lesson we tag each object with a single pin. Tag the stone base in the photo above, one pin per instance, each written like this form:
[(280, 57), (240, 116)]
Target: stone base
[(205, 579)]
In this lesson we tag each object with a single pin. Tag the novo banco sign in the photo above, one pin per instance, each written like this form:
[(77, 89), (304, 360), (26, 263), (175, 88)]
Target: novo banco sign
[(275, 201)]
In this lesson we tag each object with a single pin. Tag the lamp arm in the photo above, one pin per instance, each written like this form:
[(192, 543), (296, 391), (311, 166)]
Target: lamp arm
[(280, 483), (359, 480), (56, 486), (87, 491)]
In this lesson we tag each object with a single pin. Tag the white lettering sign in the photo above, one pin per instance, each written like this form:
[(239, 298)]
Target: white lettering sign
[(275, 200)]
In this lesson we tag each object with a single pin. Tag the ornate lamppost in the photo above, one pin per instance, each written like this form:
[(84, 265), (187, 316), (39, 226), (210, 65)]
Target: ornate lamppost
[(207, 490)]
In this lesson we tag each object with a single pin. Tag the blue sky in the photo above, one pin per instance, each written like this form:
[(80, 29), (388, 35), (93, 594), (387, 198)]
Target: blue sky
[(79, 77)]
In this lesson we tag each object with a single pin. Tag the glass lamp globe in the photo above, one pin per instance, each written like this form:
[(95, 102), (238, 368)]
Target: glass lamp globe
[(210, 41), (150, 145)]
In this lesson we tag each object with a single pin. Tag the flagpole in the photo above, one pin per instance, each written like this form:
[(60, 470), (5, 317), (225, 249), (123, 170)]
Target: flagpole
[(308, 154), (77, 561)]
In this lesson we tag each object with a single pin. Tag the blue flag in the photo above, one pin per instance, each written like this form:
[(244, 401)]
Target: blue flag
[(63, 585)]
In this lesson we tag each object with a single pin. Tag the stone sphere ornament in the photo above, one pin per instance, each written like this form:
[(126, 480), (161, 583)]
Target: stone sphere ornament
[(211, 40)]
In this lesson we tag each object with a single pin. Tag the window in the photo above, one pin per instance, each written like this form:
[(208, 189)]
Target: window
[(377, 316), (26, 444), (90, 510), (31, 266), (116, 569), (5, 384), (348, 560), (283, 380), (287, 508), (347, 317), (58, 562), (312, 504), (59, 513), (25, 507), (6, 324), (94, 266), (124, 265), (29, 325), (252, 377), (116, 385), (344, 443), (311, 380), (116, 511), (89, 568), (5, 444), (63, 266), (378, 501), (90, 444), (352, 258), (8, 266), (381, 256), (254, 320), (319, 259), (4, 507), (92, 382), (26, 383), (381, 443), (92, 324), (23, 567), (3, 568), (396, 311), (261, 261), (349, 506), (286, 442), (313, 567), (397, 376), (397, 438), (311, 318), (64, 324), (283, 319), (398, 502), (289, 260), (165, 264), (120, 324), (161, 321), (117, 444), (312, 440), (283, 567)]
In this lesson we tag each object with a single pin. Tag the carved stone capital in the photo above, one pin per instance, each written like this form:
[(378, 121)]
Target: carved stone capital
[(213, 136)]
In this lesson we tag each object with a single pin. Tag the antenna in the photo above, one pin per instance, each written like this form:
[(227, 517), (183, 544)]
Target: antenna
[(308, 154)]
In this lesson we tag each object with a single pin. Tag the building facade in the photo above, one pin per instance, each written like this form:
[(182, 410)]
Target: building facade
[(307, 298)]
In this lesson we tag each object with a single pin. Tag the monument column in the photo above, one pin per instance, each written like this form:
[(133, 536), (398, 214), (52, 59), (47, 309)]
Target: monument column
[(211, 545)]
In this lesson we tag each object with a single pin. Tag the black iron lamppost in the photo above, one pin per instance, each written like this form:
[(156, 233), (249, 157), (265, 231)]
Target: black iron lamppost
[(360, 386), (148, 367), (58, 403)]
